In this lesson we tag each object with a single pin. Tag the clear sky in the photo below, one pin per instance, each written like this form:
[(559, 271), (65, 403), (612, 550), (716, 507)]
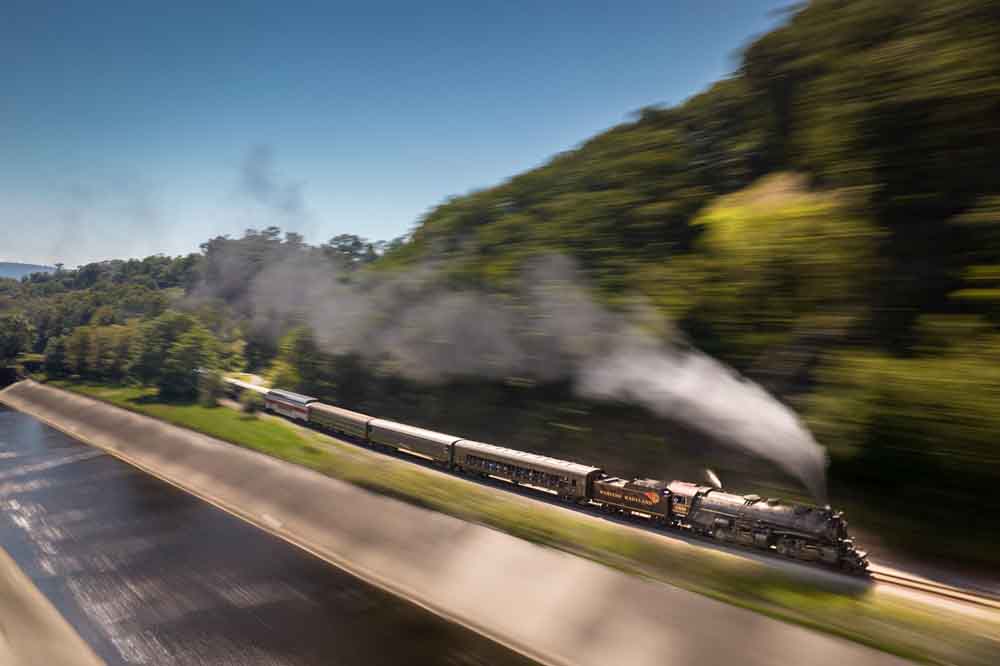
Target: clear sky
[(131, 128)]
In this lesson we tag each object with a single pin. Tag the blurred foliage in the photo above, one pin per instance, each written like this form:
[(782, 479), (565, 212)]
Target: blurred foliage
[(894, 103), (251, 402), (15, 336), (922, 428), (891, 411), (772, 263), (826, 219), (980, 287), (210, 388)]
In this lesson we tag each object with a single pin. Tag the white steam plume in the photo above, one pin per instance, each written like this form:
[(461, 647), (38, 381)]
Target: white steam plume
[(693, 388), (713, 478), (551, 329)]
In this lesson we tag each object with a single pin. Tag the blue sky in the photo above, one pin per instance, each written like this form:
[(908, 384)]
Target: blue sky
[(131, 128)]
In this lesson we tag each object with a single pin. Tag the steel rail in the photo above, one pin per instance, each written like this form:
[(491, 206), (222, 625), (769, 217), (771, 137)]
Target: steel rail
[(931, 587)]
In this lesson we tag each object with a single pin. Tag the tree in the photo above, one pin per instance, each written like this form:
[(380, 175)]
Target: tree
[(283, 374), (153, 342), (302, 366), (15, 336), (251, 402), (55, 357), (100, 352), (108, 351), (121, 350), (774, 261), (349, 251), (77, 350), (209, 387), (194, 351), (231, 355)]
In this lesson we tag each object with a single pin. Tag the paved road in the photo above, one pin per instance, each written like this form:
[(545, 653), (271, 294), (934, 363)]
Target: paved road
[(148, 574)]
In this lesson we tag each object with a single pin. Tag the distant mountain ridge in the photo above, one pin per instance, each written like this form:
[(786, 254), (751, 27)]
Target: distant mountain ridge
[(17, 271)]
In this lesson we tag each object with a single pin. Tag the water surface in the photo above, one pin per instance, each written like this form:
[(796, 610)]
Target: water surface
[(148, 574)]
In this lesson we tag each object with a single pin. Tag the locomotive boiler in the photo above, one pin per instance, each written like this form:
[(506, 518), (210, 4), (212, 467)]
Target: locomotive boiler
[(794, 530)]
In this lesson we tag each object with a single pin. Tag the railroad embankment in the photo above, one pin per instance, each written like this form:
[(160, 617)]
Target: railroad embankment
[(555, 607)]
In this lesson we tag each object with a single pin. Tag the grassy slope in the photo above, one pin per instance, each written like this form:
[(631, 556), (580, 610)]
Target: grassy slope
[(904, 627)]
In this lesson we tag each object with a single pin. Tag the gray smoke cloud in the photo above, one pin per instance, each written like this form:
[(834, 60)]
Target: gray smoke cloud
[(259, 180), (549, 329)]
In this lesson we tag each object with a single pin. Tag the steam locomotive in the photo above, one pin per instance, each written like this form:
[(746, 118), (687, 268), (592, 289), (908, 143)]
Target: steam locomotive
[(793, 530)]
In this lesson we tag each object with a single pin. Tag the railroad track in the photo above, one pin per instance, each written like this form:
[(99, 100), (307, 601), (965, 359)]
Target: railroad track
[(876, 573), (888, 577)]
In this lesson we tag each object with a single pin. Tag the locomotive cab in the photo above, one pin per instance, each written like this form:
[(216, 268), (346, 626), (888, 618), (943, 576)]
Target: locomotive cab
[(683, 496)]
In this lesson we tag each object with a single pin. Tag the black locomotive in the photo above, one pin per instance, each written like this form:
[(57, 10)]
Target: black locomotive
[(793, 530)]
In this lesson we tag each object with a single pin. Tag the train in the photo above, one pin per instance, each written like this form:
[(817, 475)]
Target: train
[(794, 530)]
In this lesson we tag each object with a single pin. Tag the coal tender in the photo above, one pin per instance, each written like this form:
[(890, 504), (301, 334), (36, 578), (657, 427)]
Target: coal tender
[(646, 496)]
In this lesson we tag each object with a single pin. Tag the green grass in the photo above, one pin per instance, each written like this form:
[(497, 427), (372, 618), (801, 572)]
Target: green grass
[(246, 377), (268, 435), (901, 626)]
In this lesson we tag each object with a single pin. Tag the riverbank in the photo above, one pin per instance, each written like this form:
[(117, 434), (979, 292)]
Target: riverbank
[(897, 625)]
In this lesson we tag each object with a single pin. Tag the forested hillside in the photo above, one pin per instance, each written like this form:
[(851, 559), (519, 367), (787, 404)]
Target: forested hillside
[(864, 288), (891, 105), (826, 220)]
